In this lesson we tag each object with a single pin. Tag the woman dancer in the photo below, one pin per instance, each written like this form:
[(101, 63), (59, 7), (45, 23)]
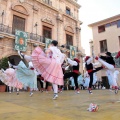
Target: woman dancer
[(9, 78), (50, 68), (27, 76), (109, 63)]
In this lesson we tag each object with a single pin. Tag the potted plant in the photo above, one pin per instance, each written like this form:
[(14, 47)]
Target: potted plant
[(49, 87), (2, 87), (3, 65)]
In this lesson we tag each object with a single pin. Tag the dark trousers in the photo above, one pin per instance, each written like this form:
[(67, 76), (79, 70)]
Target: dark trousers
[(41, 83), (47, 83), (74, 75), (91, 76)]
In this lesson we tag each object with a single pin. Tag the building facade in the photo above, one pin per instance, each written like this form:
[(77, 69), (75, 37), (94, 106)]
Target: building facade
[(53, 19), (106, 37)]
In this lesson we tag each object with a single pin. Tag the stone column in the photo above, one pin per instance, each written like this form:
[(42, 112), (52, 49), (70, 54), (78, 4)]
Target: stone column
[(59, 28)]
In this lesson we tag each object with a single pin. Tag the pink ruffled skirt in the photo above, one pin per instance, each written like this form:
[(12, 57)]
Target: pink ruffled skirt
[(51, 70), (11, 79)]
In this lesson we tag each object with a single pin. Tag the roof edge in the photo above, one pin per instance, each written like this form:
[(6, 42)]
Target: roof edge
[(104, 20)]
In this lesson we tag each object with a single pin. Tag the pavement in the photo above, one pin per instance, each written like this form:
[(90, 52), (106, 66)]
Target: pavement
[(69, 106)]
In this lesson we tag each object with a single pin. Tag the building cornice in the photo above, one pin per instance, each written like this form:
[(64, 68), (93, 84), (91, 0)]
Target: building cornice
[(105, 20), (72, 18), (74, 3), (53, 8)]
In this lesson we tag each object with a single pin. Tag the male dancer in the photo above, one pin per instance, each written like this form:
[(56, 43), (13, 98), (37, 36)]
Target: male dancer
[(75, 73), (109, 63), (90, 69)]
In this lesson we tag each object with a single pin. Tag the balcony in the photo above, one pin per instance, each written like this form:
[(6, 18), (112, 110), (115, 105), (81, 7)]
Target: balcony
[(48, 2), (31, 36), (69, 14)]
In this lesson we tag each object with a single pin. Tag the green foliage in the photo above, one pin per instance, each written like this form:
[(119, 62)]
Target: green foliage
[(4, 63)]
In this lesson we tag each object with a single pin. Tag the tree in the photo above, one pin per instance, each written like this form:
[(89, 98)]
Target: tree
[(4, 63)]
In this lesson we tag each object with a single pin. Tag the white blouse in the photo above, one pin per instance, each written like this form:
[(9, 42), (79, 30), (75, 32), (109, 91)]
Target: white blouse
[(56, 54)]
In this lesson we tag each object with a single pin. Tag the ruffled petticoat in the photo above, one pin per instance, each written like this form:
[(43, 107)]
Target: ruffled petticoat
[(9, 78), (51, 70), (26, 76)]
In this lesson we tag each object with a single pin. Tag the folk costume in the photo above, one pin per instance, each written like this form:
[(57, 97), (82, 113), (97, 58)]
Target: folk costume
[(26, 75), (50, 68), (9, 78), (109, 63), (75, 73), (90, 69)]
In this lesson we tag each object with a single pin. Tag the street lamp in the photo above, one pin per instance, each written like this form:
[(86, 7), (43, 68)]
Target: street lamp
[(36, 28), (92, 48)]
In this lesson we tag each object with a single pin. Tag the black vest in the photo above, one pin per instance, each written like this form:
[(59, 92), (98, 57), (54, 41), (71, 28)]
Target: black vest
[(76, 67), (89, 67)]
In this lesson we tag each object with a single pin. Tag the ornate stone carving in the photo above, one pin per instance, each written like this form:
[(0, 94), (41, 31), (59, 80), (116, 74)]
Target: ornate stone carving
[(20, 8), (59, 17), (35, 8), (47, 20), (69, 29)]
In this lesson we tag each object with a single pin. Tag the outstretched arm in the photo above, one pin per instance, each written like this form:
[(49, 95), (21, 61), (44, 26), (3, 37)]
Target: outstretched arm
[(89, 60), (103, 57), (95, 64), (71, 62)]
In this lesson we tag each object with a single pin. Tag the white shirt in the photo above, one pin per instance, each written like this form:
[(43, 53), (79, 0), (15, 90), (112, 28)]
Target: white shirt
[(89, 60), (71, 62), (56, 54)]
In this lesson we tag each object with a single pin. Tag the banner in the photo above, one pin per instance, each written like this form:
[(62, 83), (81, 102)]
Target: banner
[(47, 42), (117, 61), (73, 50), (21, 40)]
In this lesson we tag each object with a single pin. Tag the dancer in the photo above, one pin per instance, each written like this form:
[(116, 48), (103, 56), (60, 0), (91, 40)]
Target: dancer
[(9, 78), (109, 63), (75, 73), (27, 76), (87, 79), (49, 67), (90, 69)]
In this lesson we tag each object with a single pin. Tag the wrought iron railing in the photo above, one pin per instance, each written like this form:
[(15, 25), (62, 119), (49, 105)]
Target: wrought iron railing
[(36, 37), (32, 36), (48, 2), (6, 29)]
